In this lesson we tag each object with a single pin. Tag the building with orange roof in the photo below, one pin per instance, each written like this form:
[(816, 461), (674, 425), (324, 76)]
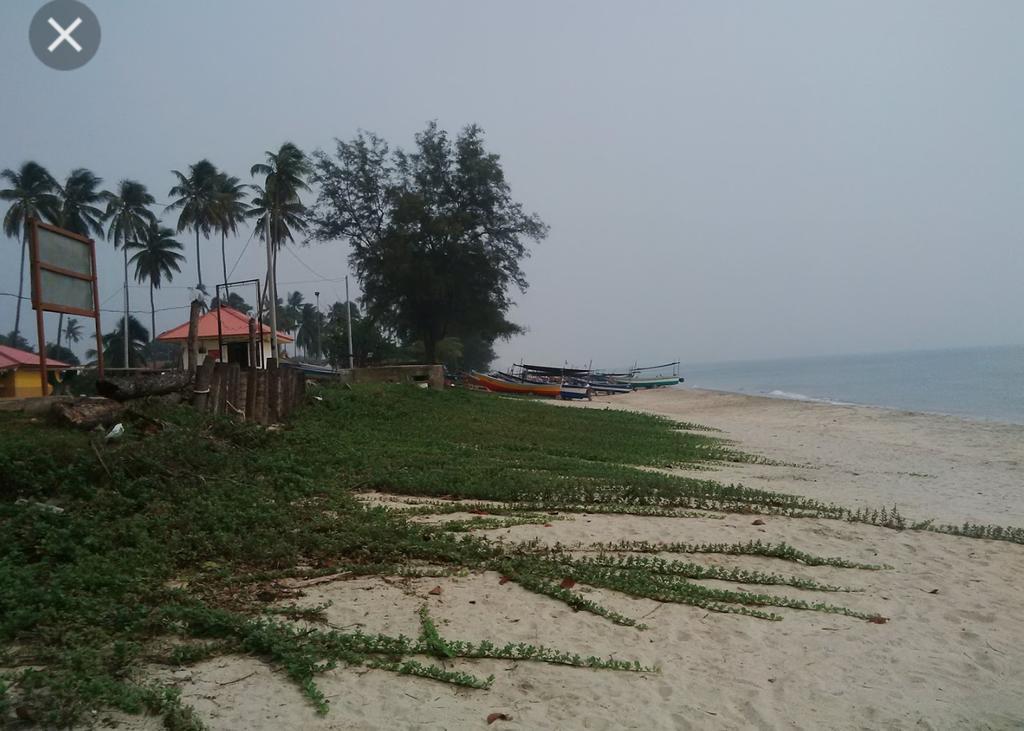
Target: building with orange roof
[(19, 373), (233, 332)]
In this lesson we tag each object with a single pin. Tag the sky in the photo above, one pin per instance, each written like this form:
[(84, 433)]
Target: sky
[(723, 180)]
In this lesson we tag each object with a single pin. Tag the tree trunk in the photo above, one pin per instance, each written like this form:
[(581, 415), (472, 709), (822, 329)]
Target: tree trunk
[(430, 348), (60, 327), (199, 264), (89, 413), (152, 314), (224, 259), (21, 287), (123, 388), (192, 353)]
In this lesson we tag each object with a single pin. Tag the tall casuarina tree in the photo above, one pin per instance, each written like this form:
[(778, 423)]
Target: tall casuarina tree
[(435, 236), (156, 259), (129, 218), (197, 199), (32, 194)]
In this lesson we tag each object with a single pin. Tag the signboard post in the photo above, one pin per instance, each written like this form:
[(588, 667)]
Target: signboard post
[(63, 280)]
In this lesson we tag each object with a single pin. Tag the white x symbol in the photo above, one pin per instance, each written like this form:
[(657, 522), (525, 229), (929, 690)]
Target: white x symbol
[(65, 35)]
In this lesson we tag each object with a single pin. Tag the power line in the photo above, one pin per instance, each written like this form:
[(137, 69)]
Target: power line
[(311, 269), (118, 311), (244, 248)]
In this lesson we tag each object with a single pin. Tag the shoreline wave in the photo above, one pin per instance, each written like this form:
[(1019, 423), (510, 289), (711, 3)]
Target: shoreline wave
[(802, 398)]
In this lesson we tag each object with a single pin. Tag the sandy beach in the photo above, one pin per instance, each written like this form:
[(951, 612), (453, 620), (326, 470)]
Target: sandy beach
[(950, 656)]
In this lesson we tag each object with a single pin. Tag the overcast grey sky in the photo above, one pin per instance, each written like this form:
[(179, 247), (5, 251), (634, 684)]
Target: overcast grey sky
[(723, 180)]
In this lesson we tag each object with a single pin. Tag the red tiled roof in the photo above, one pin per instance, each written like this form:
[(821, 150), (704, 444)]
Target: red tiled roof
[(234, 324), (14, 358)]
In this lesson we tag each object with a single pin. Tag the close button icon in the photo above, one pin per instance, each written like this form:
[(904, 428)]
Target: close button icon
[(64, 34)]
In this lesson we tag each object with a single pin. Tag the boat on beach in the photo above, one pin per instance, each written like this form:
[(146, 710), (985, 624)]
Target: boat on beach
[(575, 390), (573, 383), (636, 379), (499, 384), (654, 382)]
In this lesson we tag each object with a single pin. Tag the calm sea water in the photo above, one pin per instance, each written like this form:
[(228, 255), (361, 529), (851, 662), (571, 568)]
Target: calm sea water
[(981, 383)]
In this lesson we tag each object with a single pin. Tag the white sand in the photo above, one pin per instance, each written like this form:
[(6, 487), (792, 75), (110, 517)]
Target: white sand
[(951, 659)]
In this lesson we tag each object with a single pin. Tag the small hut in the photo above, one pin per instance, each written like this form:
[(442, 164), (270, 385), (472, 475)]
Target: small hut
[(19, 373), (234, 333)]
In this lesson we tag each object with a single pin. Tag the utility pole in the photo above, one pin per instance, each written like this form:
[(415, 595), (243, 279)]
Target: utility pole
[(348, 315), (272, 287), (319, 342), (124, 333)]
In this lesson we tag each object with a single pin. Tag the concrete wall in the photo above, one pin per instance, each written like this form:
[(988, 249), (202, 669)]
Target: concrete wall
[(432, 375)]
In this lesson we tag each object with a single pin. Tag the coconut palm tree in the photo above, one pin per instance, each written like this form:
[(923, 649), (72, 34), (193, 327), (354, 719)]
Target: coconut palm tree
[(231, 210), (235, 301), (289, 313), (115, 345), (79, 199), (156, 259), (129, 218), (72, 331), (80, 202), (13, 340), (276, 205), (31, 195), (310, 322), (197, 196)]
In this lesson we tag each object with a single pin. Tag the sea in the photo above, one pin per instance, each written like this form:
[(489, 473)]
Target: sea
[(978, 383)]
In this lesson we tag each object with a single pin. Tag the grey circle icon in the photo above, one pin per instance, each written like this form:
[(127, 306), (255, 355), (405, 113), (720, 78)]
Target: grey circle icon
[(64, 34)]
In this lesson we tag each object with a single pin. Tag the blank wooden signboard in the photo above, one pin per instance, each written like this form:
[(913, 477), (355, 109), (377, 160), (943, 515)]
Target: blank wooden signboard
[(63, 280)]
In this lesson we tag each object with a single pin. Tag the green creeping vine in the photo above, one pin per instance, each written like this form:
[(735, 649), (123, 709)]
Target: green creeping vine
[(304, 653), (526, 575), (652, 511), (974, 530), (661, 567), (782, 551), (665, 582), (447, 507), (658, 587), (430, 636), (482, 523), (414, 667)]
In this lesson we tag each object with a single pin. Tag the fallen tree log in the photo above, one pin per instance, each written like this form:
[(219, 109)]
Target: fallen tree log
[(89, 413), (125, 388)]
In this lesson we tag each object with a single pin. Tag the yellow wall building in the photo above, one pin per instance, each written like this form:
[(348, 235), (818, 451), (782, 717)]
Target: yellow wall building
[(19, 373)]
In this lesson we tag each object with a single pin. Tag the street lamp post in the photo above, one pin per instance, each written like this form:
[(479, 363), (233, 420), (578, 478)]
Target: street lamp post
[(319, 342), (348, 317)]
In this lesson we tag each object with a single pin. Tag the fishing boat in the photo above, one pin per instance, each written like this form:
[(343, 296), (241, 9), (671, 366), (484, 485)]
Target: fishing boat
[(577, 382), (499, 384), (638, 380), (313, 369), (552, 371), (575, 390), (653, 381), (605, 385)]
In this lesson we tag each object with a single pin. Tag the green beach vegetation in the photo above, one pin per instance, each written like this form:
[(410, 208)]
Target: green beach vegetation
[(180, 530)]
